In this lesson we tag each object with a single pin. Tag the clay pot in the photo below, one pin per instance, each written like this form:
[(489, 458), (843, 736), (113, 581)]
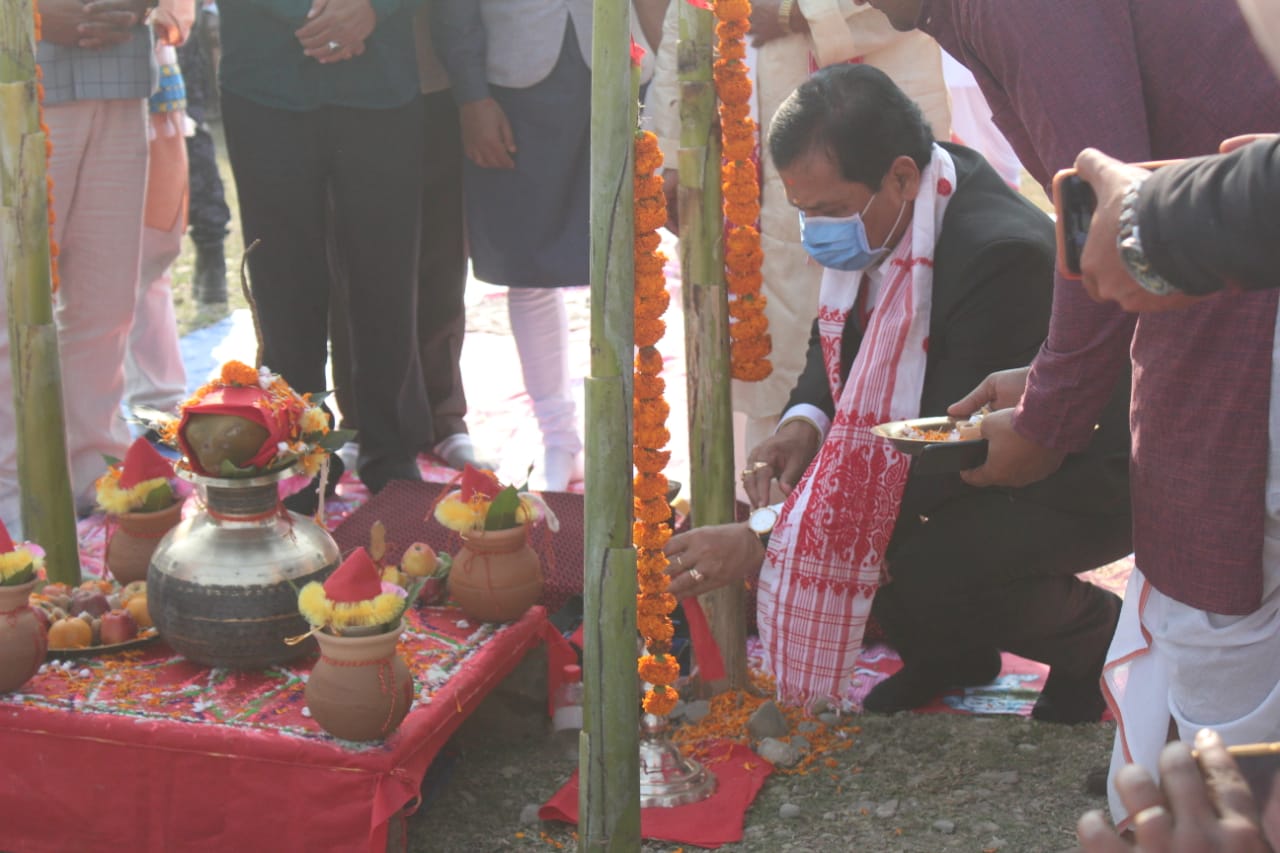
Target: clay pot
[(23, 638), (496, 576), (359, 689), (134, 540)]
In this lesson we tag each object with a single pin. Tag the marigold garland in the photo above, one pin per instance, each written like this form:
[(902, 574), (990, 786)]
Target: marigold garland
[(740, 184), (652, 527)]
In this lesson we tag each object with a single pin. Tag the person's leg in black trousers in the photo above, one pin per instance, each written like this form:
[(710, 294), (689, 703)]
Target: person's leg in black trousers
[(377, 195), (280, 163), (987, 573)]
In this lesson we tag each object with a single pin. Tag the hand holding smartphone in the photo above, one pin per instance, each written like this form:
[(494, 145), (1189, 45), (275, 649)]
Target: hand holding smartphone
[(1074, 202)]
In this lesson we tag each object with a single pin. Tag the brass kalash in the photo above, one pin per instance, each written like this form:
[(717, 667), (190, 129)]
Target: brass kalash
[(223, 585)]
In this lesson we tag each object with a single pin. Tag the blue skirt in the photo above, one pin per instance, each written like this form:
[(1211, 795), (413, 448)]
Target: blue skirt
[(528, 226)]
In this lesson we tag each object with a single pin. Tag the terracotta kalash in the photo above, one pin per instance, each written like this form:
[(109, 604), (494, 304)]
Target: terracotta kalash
[(222, 584), (360, 689), (496, 575), (141, 498), (23, 634)]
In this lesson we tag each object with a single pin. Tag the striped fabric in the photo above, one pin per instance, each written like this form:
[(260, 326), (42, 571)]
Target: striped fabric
[(122, 71)]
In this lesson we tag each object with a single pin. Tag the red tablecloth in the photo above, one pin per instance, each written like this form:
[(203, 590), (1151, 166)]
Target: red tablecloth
[(147, 752)]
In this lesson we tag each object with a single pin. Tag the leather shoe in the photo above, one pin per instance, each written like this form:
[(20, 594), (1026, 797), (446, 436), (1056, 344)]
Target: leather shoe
[(1069, 700), (916, 684), (375, 474)]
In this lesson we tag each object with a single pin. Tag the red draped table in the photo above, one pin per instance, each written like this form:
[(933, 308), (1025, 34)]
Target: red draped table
[(145, 751)]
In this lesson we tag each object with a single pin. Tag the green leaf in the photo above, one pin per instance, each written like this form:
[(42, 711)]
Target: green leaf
[(332, 440), (110, 460), (22, 575), (160, 497), (502, 511), (444, 563)]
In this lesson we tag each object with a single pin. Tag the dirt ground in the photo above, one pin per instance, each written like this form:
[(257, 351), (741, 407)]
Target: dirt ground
[(926, 783)]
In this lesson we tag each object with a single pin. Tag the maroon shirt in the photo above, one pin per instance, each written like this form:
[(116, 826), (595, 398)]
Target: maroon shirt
[(1143, 80)]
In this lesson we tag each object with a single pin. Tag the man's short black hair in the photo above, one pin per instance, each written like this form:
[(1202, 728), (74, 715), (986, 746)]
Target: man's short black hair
[(858, 115)]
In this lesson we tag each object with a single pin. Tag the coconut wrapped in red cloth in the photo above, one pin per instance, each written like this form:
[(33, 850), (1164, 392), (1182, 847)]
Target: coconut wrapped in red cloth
[(249, 422)]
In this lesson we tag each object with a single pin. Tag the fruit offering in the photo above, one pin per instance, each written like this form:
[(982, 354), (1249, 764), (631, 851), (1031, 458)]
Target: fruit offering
[(96, 613)]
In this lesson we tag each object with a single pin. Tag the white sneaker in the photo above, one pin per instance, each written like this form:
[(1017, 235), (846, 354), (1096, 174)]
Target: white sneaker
[(457, 450)]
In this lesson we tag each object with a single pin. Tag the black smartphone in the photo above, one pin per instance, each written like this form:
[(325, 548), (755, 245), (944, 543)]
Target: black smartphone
[(1073, 205)]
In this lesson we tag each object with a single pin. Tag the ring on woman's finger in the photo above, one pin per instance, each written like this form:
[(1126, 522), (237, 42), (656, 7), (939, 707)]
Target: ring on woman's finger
[(696, 575), (679, 562), (333, 45)]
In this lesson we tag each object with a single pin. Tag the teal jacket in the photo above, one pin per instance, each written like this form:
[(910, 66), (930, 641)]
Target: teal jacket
[(262, 59)]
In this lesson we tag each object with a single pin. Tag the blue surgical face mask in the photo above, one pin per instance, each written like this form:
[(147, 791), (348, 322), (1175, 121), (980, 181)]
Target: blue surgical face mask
[(840, 242)]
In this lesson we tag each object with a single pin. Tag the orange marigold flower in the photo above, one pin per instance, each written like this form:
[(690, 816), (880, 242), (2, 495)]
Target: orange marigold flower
[(739, 130), (648, 360), (732, 30), (652, 436), (752, 371), (651, 263), (649, 186), (648, 154), (741, 238), (739, 148), (732, 49), (651, 561), (650, 461), (740, 192), (650, 215), (660, 703), (751, 349), (653, 306), (653, 413), (734, 89), (658, 633), (744, 262), (740, 284), (647, 242), (741, 173), (239, 373), (747, 305), (734, 112), (742, 214), (748, 327), (733, 10), (651, 292), (650, 487), (653, 511), (658, 670), (649, 332), (650, 537), (648, 387)]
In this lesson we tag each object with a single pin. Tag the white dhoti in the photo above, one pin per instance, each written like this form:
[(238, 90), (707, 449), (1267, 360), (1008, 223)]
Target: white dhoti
[(1173, 663)]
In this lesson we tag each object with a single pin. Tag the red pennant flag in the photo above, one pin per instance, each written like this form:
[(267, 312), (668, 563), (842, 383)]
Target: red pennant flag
[(6, 543), (705, 647), (477, 481), (637, 53), (357, 579), (701, 4), (143, 462)]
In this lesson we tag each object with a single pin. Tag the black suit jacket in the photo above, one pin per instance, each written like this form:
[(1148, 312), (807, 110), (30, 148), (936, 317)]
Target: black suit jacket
[(992, 295)]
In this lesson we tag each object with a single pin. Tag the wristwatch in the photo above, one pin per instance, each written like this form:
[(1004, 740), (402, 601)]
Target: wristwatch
[(761, 521), (1129, 244)]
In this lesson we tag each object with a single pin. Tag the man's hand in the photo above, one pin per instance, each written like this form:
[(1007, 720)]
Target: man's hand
[(486, 135), (94, 25), (1197, 808), (1104, 274), (767, 26), (782, 456), (336, 30), (708, 558), (1000, 390), (1012, 460)]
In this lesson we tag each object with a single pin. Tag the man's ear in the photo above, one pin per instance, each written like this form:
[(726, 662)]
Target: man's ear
[(903, 179)]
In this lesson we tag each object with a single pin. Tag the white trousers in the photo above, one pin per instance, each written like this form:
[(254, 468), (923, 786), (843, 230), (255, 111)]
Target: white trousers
[(99, 169), (1171, 662), (540, 326)]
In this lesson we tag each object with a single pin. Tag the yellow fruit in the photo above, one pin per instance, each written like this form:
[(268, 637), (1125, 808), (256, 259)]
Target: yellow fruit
[(419, 560), (70, 634), (137, 607), (392, 575)]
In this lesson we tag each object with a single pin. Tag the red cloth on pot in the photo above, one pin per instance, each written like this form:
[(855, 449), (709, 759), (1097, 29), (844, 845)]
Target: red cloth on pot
[(250, 403)]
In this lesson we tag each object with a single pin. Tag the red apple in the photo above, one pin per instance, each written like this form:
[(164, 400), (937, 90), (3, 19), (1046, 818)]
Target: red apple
[(93, 602), (118, 626)]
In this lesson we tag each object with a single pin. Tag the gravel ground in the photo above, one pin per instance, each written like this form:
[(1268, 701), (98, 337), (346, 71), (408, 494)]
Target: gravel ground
[(926, 783)]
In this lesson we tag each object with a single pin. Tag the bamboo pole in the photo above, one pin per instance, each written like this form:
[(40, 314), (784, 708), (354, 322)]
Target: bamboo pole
[(609, 754), (48, 512), (707, 322)]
